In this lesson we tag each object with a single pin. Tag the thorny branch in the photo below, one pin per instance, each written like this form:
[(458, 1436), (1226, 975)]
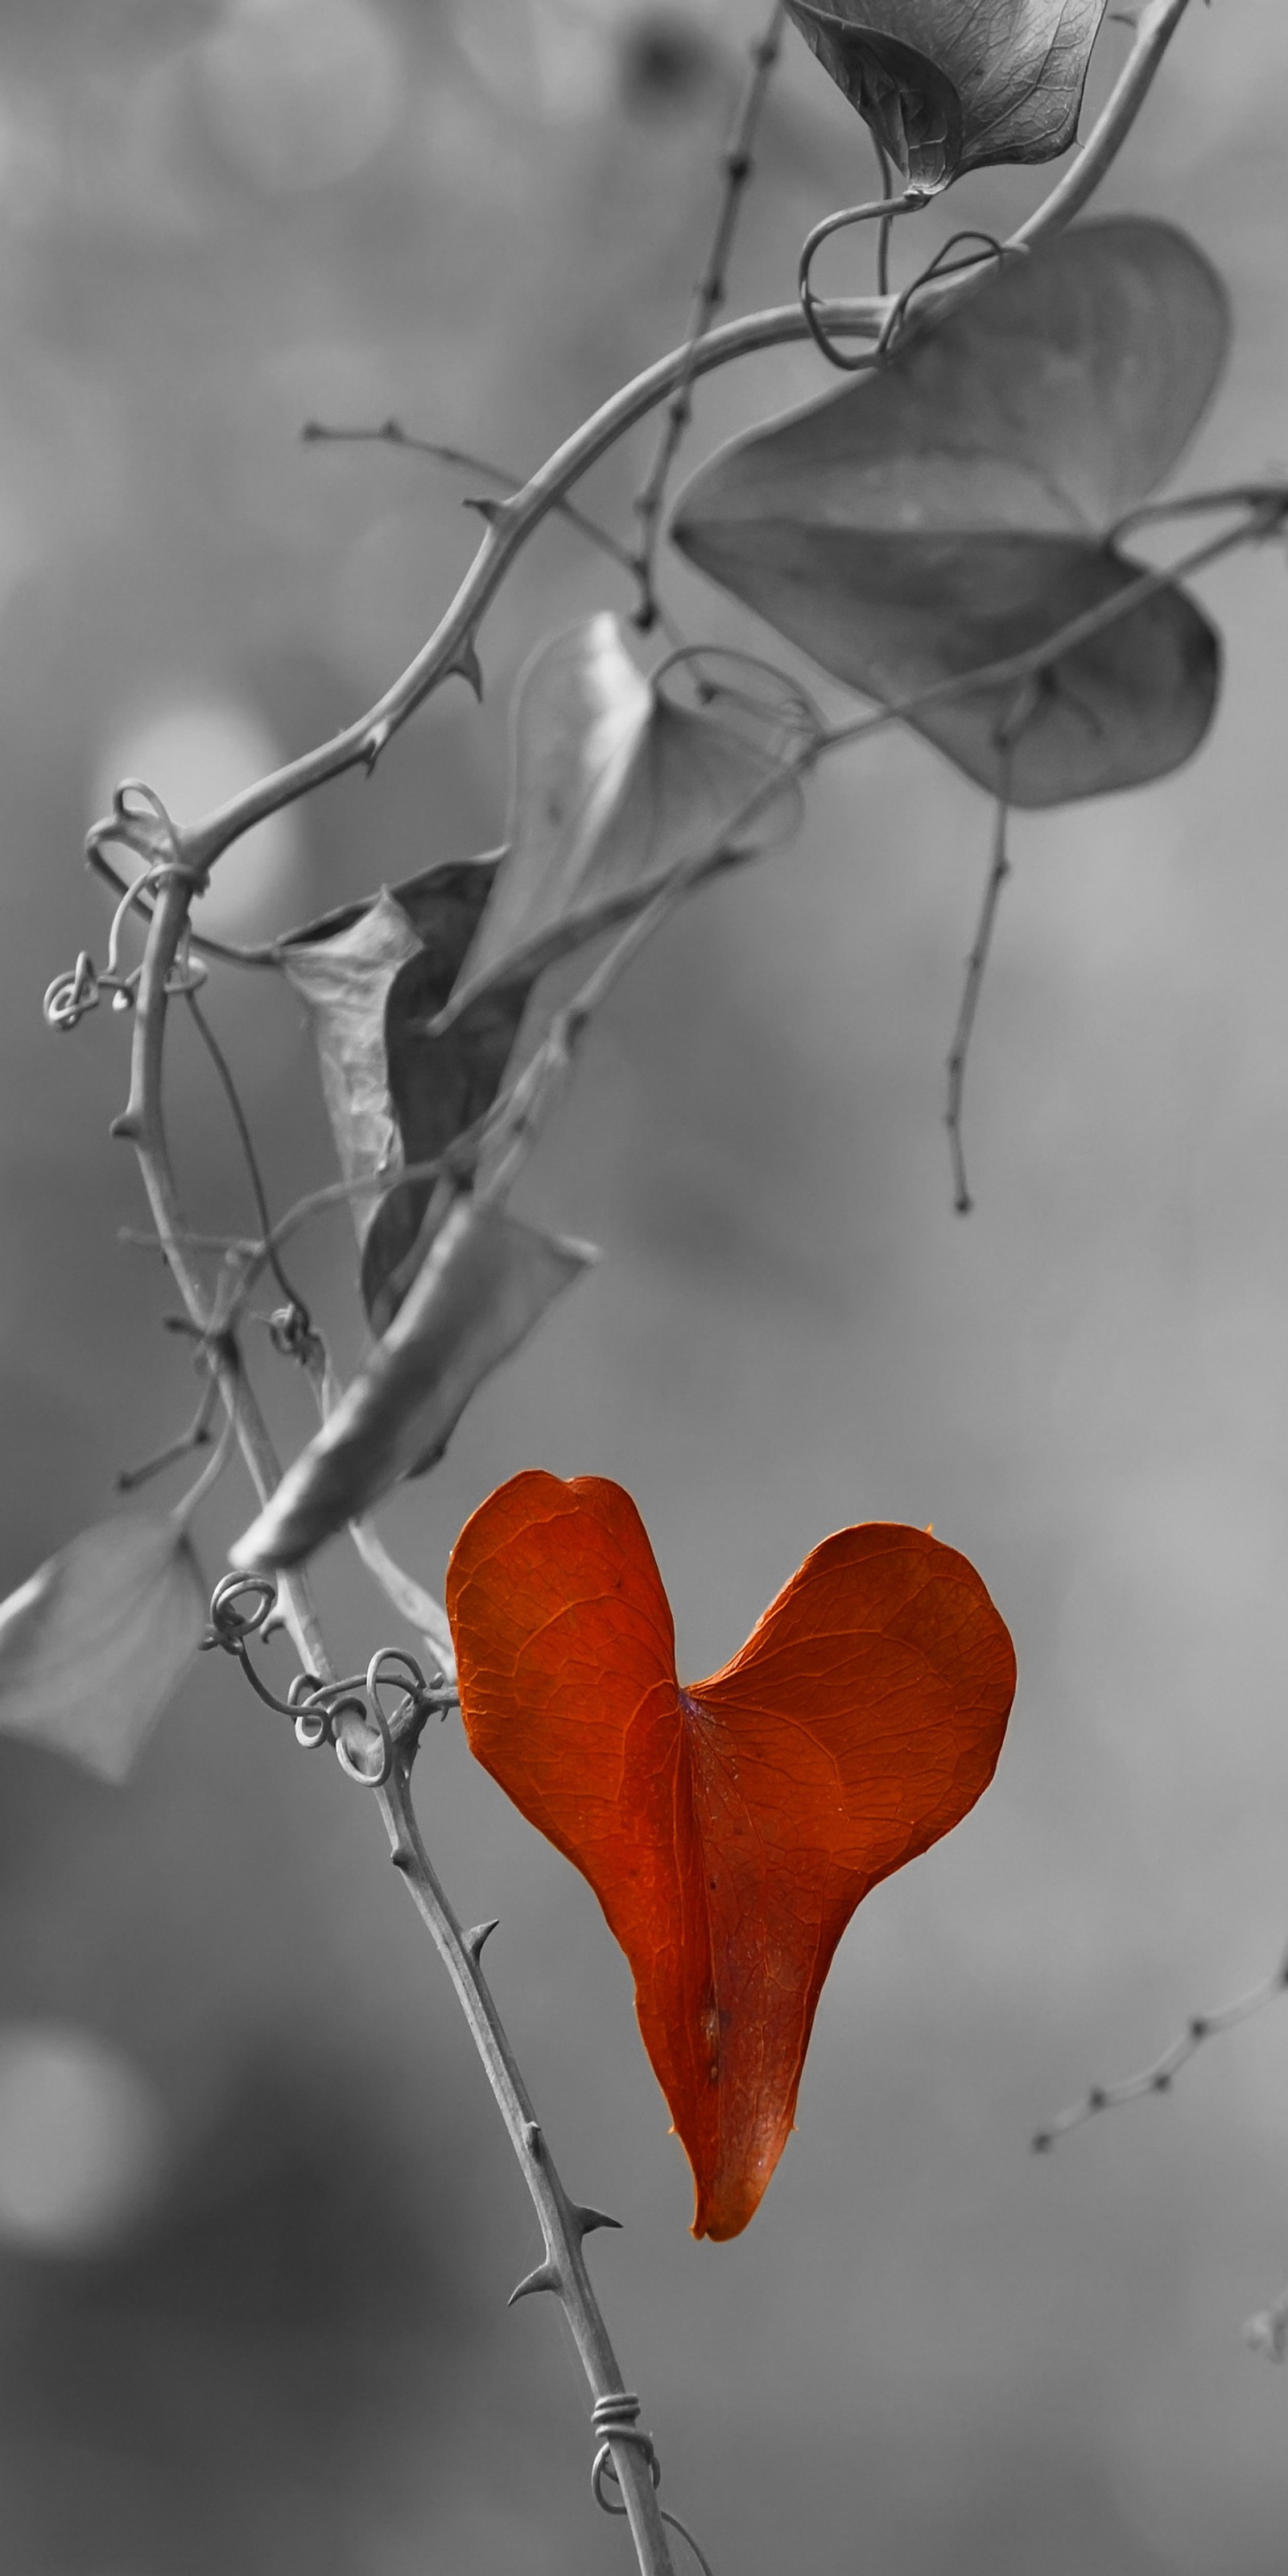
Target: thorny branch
[(564, 2224)]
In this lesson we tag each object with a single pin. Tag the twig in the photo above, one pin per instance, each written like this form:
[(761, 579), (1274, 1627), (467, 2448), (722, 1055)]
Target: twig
[(1159, 2077), (1267, 2331), (976, 963), (708, 299), (250, 1158), (197, 1436), (1155, 27), (390, 433)]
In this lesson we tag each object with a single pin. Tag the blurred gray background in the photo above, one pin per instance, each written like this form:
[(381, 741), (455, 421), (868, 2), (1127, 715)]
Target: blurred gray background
[(257, 2217)]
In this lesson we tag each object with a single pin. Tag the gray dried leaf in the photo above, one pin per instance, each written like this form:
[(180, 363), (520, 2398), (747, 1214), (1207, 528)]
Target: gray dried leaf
[(954, 85), (616, 790), (955, 508), (92, 1646), (373, 977)]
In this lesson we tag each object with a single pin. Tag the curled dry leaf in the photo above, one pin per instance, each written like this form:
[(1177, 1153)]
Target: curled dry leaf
[(373, 976), (729, 1827), (418, 996), (956, 508), (954, 85), (485, 1282), (617, 790), (93, 1645)]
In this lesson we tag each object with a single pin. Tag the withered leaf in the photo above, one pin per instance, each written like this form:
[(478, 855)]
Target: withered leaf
[(954, 85), (92, 1646), (728, 1827), (955, 508), (616, 790), (398, 1093), (485, 1282)]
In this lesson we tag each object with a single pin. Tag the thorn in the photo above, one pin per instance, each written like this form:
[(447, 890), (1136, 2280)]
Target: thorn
[(375, 743), (587, 2220), (486, 508), (126, 1127), (532, 2138), (545, 2277), (475, 1939), (469, 668)]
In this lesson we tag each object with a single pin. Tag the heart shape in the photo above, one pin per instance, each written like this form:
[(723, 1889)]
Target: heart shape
[(729, 1828)]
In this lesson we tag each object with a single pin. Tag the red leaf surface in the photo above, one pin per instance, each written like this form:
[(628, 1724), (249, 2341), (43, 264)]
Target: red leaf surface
[(729, 1828)]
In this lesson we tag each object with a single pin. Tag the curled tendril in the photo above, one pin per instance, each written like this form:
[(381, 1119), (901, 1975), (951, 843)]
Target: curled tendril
[(880, 210), (69, 997), (616, 2418), (939, 267), (349, 1715)]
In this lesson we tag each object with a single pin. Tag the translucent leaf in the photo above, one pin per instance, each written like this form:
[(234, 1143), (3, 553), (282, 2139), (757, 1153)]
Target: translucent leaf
[(374, 976), (93, 1645), (616, 790), (953, 85), (485, 1282), (729, 1827), (955, 508)]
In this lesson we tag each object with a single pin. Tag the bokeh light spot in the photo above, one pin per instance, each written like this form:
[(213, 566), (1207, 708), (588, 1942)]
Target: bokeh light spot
[(81, 2140), (301, 92), (196, 753)]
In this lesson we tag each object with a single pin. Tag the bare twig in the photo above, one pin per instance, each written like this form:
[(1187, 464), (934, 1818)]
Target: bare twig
[(709, 297), (390, 433), (999, 870), (1267, 520), (1159, 2077)]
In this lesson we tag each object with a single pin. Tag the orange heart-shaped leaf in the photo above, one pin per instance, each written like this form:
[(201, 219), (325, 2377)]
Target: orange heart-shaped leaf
[(729, 1828)]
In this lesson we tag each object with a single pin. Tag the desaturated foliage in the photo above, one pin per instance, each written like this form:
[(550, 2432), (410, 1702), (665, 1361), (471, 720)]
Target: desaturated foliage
[(955, 539)]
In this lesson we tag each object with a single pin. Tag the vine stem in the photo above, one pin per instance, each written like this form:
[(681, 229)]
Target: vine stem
[(563, 2222), (708, 298), (451, 647)]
